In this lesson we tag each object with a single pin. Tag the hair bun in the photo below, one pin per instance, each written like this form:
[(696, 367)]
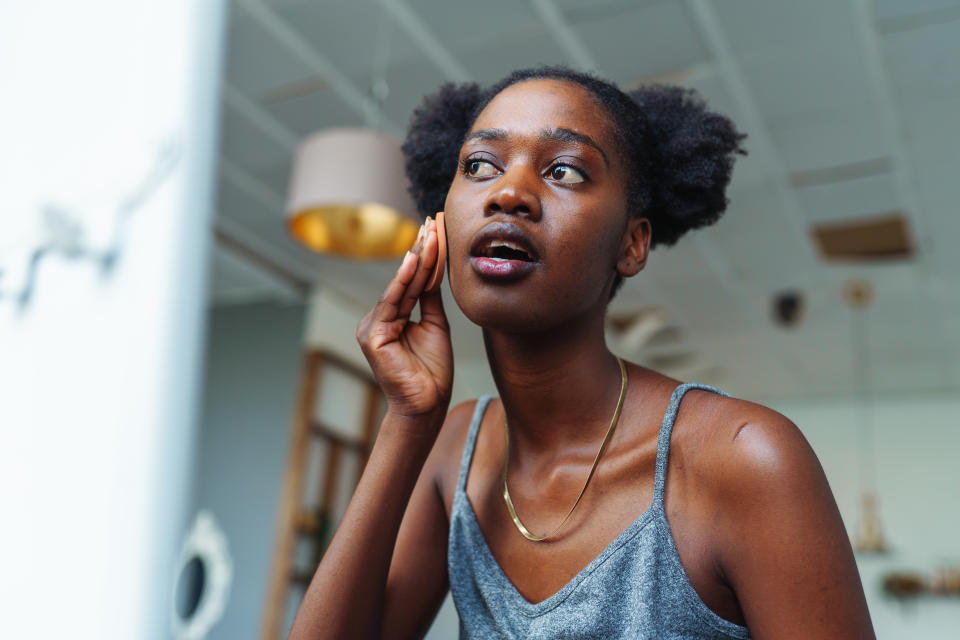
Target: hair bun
[(432, 146), (692, 159)]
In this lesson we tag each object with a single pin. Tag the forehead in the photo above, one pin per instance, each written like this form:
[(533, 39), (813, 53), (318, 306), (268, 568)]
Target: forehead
[(531, 106)]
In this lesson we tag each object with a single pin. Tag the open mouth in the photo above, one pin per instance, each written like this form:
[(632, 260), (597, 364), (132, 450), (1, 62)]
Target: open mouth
[(504, 250), (503, 241)]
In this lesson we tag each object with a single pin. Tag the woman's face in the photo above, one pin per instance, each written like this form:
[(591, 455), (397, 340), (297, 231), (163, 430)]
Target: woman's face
[(536, 216)]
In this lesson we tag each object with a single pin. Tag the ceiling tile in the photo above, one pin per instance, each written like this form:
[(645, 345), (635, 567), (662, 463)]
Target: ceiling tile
[(473, 26), (830, 140), (246, 144), (488, 62), (255, 61), (892, 9), (837, 201), (922, 64), (349, 33), (315, 110), (649, 40)]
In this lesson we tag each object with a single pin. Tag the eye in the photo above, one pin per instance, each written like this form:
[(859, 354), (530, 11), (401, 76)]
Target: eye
[(479, 168), (566, 174)]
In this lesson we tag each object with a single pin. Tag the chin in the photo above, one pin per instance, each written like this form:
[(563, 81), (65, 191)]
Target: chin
[(498, 309), (516, 307)]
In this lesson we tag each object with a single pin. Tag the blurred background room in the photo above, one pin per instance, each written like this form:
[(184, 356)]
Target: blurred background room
[(203, 198)]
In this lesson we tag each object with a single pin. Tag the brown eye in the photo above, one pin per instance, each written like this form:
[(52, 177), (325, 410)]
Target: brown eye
[(566, 174), (480, 168)]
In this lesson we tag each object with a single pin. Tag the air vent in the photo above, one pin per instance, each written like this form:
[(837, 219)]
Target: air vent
[(881, 237)]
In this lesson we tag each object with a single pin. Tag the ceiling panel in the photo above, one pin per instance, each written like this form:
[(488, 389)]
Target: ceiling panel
[(847, 199), (237, 205), (247, 145), (754, 26), (255, 62), (306, 112), (476, 26), (276, 176), (822, 140), (408, 85), (810, 83), (890, 9), (350, 34), (652, 39), (758, 240), (932, 145), (488, 62), (922, 63)]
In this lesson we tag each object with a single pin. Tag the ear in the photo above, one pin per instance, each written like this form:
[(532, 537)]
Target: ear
[(636, 247)]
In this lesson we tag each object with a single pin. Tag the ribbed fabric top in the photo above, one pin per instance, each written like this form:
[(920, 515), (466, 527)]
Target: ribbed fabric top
[(635, 588)]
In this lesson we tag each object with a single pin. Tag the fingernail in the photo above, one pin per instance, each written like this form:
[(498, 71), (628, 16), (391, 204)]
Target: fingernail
[(420, 232), (406, 257)]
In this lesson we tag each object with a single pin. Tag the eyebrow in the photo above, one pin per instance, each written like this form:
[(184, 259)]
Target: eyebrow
[(547, 135)]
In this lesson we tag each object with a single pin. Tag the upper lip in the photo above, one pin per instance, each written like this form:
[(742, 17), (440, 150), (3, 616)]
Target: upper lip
[(506, 232)]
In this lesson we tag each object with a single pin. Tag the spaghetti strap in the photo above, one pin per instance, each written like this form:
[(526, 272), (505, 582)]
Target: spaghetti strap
[(666, 429), (478, 412)]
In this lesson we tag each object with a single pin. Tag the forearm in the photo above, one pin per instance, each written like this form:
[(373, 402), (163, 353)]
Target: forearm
[(346, 596)]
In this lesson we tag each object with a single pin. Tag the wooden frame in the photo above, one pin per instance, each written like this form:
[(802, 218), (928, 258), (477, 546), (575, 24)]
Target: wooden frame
[(293, 522)]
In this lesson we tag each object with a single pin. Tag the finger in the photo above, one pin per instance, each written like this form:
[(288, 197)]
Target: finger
[(387, 308), (431, 310), (428, 258)]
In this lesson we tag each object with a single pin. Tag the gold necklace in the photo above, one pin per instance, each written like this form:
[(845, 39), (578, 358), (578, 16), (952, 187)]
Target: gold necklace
[(506, 461)]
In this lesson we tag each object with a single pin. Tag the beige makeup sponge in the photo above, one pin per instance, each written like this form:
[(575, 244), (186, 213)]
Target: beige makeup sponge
[(436, 276)]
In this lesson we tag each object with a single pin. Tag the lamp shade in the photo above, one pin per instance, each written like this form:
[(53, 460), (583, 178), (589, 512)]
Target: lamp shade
[(348, 195)]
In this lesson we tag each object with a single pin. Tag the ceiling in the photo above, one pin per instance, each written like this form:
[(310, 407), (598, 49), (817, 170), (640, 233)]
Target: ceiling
[(850, 109)]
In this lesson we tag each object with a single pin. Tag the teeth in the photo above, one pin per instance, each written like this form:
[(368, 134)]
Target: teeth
[(506, 243)]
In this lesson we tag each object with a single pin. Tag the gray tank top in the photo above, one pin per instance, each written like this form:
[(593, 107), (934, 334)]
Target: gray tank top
[(635, 588)]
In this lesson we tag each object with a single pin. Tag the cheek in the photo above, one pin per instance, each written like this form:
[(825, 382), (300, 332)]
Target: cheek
[(589, 251)]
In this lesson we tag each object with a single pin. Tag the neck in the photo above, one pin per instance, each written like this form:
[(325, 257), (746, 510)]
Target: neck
[(559, 388)]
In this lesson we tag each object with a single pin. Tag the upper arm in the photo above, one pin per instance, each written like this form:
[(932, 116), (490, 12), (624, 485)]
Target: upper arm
[(783, 546), (417, 582)]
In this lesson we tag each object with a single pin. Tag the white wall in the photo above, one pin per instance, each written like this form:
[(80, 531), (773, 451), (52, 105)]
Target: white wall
[(108, 134), (252, 366), (917, 441)]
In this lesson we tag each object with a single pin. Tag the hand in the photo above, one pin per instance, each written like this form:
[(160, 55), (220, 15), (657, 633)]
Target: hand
[(413, 362)]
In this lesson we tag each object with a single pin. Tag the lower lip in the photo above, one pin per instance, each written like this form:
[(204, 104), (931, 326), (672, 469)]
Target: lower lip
[(501, 269)]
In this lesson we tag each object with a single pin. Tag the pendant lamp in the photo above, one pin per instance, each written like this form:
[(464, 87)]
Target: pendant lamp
[(348, 195), (868, 536)]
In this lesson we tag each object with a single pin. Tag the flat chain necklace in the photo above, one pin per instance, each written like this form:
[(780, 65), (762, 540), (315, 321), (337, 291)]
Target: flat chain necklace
[(506, 461)]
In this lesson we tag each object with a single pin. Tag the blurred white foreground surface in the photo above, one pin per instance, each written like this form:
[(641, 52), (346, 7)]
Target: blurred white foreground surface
[(108, 137)]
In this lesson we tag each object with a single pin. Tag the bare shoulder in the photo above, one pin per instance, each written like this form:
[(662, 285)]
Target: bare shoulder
[(751, 460), (750, 445), (769, 505)]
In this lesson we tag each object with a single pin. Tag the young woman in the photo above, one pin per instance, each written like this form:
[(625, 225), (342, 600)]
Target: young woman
[(709, 518)]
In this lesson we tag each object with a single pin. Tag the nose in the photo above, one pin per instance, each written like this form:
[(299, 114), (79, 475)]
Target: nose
[(514, 193)]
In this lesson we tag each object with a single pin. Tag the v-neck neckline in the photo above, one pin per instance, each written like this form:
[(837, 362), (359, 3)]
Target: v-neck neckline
[(534, 609)]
